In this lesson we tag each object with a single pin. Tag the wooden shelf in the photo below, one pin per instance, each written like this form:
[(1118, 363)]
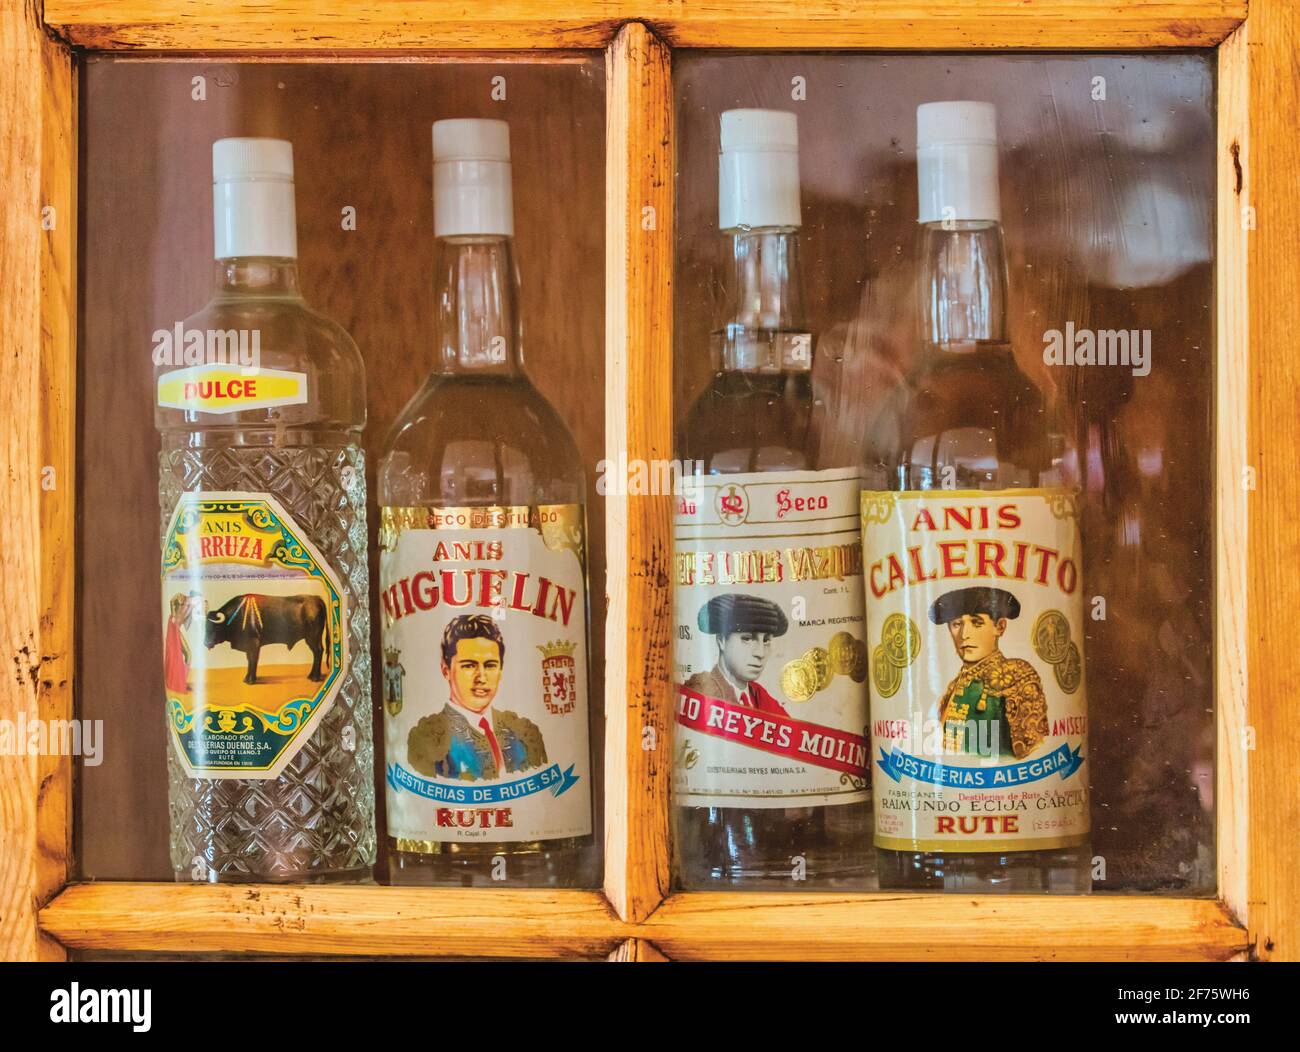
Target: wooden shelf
[(333, 919), (370, 920), (932, 927)]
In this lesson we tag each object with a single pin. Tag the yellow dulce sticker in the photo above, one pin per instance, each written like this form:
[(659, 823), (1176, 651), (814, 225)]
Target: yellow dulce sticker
[(217, 388)]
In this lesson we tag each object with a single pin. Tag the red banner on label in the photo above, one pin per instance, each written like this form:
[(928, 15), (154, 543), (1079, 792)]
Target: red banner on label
[(811, 743)]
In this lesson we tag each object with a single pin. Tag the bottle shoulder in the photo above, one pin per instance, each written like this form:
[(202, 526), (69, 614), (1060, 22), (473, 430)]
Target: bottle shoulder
[(260, 336), (479, 440), (975, 419), (293, 333), (744, 422)]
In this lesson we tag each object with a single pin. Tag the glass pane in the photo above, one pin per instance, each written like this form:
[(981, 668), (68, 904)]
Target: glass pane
[(1105, 178), (362, 169)]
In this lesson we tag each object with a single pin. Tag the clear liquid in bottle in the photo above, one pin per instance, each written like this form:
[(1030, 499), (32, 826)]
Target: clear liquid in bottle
[(261, 403), (973, 569), (769, 760), (483, 575)]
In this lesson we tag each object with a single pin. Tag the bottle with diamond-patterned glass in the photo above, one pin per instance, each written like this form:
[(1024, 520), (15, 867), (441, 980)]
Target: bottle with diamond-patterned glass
[(260, 407)]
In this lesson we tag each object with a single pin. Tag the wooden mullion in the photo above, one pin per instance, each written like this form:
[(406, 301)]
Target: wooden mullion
[(1232, 382), (58, 425), (638, 426), (637, 951)]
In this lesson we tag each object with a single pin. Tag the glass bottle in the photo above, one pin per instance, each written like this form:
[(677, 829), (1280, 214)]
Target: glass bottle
[(774, 650), (975, 651), (483, 573), (260, 407)]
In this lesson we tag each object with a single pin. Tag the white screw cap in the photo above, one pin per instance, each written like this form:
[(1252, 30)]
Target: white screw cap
[(957, 161), (252, 199), (471, 178), (758, 170)]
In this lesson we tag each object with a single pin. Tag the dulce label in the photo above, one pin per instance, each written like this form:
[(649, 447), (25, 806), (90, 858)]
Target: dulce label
[(217, 388), (485, 674), (254, 635), (978, 712), (771, 662)]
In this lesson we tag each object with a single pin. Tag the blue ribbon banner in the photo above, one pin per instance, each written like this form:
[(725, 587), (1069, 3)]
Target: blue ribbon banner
[(1063, 761), (552, 778)]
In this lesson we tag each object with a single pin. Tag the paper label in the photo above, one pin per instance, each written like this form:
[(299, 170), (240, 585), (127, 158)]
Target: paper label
[(254, 635), (485, 674), (770, 651), (978, 709), (216, 388)]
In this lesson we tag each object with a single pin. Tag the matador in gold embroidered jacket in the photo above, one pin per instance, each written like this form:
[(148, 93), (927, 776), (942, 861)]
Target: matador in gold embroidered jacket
[(997, 690)]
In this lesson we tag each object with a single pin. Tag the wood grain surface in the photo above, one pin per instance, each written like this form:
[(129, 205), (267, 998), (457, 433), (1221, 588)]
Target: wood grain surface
[(1233, 499), (438, 922), (38, 225), (638, 427), (785, 24), (830, 927), (1273, 538), (636, 951), (322, 919)]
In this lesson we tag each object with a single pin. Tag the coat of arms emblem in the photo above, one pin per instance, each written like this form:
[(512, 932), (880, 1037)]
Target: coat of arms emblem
[(732, 505), (559, 677), (393, 673)]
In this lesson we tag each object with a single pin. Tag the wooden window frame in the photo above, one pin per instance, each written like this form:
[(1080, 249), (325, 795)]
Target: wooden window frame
[(44, 913)]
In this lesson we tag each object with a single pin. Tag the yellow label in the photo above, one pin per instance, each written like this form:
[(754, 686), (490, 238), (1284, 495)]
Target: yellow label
[(217, 388), (979, 717)]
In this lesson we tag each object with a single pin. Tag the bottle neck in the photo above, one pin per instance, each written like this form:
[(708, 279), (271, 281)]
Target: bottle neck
[(764, 329), (963, 285), (273, 277), (476, 293)]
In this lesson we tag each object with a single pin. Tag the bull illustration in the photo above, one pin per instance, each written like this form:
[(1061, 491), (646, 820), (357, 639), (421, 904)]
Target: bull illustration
[(250, 622)]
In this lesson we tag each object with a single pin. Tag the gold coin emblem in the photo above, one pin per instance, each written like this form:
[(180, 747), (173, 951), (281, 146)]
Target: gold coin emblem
[(1069, 671), (798, 680), (842, 648), (901, 640), (858, 670), (886, 674), (1051, 636), (818, 660)]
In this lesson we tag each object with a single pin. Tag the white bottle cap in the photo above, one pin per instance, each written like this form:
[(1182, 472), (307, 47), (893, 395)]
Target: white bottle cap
[(471, 178), (957, 161), (252, 199), (758, 171)]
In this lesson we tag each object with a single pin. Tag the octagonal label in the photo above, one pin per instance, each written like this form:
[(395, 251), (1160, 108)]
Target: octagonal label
[(254, 635)]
